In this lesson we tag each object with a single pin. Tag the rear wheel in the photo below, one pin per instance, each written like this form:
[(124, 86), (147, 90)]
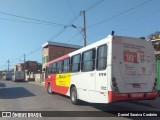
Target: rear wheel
[(73, 96), (49, 89)]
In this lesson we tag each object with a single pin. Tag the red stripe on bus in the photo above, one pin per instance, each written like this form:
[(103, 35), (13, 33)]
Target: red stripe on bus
[(113, 97), (61, 58)]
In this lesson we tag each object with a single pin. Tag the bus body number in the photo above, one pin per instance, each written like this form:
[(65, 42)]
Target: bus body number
[(130, 56)]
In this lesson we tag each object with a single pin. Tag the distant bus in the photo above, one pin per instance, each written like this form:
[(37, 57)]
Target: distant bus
[(7, 75), (18, 76), (114, 69)]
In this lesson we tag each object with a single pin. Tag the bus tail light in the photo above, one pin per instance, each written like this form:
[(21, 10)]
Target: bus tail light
[(116, 89), (154, 88), (113, 79), (114, 83), (155, 85)]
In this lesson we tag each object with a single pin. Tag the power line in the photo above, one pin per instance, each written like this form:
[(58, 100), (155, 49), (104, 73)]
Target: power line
[(27, 22), (34, 51), (94, 5), (42, 21), (68, 41), (121, 13), (33, 19)]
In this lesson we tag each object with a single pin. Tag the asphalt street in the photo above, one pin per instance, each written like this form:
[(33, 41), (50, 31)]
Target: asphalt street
[(27, 96)]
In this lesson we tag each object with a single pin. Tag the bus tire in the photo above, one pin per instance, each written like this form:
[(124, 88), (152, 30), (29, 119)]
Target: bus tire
[(49, 89), (73, 96)]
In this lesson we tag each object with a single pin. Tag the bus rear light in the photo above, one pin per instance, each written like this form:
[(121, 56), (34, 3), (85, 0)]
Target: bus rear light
[(113, 79), (154, 88), (155, 83), (116, 89), (115, 84)]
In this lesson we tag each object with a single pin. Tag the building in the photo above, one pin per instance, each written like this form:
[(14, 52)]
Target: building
[(19, 67), (53, 50), (30, 66)]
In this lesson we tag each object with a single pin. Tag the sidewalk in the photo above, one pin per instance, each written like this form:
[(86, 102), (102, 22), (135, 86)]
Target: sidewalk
[(36, 83)]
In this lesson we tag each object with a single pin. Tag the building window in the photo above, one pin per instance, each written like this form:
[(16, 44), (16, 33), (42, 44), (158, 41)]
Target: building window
[(66, 65), (102, 57), (75, 63), (88, 60)]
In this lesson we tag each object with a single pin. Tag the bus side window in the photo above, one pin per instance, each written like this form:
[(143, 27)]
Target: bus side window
[(88, 60), (54, 69), (46, 72), (102, 57), (50, 69), (59, 67), (75, 63), (66, 65)]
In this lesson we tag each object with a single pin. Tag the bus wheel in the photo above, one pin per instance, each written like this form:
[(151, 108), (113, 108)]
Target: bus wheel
[(49, 89), (73, 96)]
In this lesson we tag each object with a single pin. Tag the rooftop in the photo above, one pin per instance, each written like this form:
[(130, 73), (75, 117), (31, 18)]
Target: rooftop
[(60, 44)]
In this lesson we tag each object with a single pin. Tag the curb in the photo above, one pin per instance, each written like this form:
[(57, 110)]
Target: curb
[(38, 84)]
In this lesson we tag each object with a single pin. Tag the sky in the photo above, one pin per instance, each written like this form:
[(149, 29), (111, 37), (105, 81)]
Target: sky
[(25, 25)]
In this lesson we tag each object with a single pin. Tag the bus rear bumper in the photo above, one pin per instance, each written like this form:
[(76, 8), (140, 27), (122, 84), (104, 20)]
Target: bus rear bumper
[(113, 97)]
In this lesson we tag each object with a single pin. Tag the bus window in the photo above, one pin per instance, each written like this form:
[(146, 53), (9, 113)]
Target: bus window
[(66, 65), (54, 68), (46, 72), (50, 69), (88, 60), (75, 63), (59, 67), (102, 57)]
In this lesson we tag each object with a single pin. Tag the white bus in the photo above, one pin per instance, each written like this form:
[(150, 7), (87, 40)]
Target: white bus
[(18, 76), (113, 69)]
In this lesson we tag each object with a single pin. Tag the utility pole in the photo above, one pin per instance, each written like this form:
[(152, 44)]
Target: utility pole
[(8, 65), (24, 67), (84, 28)]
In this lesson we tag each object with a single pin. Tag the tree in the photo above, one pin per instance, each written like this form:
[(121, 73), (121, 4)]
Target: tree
[(154, 36)]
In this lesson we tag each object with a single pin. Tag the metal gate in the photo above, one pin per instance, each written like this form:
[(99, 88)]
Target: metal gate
[(158, 74)]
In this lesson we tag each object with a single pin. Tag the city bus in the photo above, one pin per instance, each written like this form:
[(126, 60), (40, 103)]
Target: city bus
[(116, 68), (18, 76)]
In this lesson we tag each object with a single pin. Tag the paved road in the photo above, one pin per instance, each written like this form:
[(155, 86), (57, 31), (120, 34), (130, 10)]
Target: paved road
[(23, 96)]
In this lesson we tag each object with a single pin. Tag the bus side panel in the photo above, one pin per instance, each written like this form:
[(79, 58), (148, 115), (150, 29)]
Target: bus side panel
[(59, 83)]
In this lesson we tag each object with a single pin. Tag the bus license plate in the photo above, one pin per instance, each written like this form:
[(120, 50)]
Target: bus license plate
[(137, 95)]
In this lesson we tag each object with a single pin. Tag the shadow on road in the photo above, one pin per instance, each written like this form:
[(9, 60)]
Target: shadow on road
[(2, 85), (13, 93)]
